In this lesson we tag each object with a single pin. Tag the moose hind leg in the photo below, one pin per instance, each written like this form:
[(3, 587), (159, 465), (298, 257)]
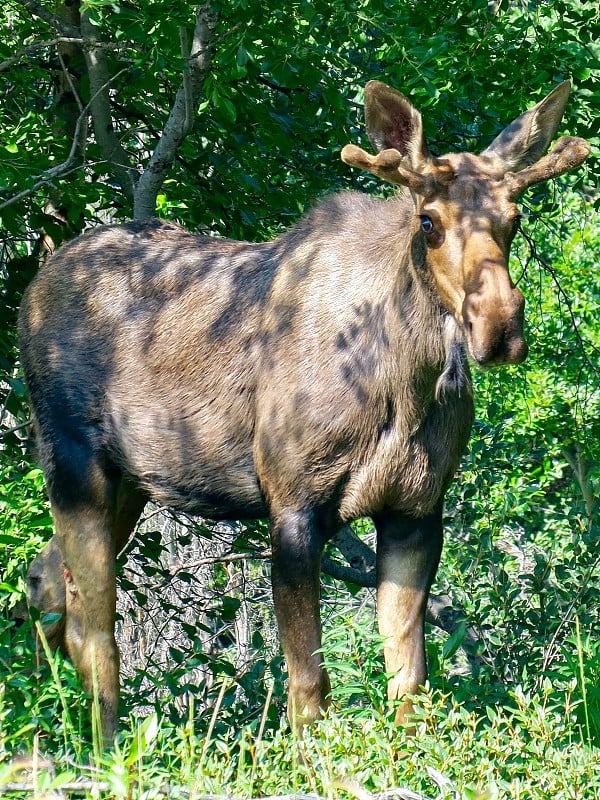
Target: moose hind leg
[(296, 561), (408, 554), (47, 583), (85, 518)]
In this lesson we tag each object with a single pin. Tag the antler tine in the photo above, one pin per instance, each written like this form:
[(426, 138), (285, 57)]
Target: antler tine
[(567, 154), (387, 165)]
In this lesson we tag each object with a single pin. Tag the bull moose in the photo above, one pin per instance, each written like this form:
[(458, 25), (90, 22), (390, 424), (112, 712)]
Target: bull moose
[(314, 379)]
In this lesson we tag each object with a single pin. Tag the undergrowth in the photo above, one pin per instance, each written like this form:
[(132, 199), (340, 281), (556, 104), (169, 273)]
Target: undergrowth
[(468, 741)]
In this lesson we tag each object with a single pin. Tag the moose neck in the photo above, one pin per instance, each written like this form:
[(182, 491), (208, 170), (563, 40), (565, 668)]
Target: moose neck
[(438, 361)]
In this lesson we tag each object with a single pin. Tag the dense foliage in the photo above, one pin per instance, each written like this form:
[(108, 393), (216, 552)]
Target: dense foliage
[(517, 687)]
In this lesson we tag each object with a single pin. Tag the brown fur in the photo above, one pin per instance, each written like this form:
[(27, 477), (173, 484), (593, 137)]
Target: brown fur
[(315, 379)]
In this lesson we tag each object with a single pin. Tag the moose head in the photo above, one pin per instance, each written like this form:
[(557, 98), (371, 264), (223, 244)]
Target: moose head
[(466, 208)]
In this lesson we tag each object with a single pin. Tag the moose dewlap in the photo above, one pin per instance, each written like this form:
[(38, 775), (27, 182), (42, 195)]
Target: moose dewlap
[(313, 379)]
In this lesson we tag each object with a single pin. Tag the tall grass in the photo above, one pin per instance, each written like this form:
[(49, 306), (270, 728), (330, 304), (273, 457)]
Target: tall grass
[(521, 745)]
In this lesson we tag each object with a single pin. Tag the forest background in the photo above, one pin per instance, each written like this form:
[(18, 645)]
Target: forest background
[(229, 117)]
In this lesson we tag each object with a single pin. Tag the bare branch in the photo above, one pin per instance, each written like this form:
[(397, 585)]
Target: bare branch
[(16, 428), (181, 117), (70, 786), (26, 51), (224, 559), (69, 80)]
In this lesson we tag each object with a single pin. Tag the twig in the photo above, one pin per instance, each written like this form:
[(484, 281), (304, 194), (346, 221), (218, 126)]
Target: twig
[(568, 615), (73, 786), (225, 559), (16, 428), (72, 86), (565, 298), (25, 51)]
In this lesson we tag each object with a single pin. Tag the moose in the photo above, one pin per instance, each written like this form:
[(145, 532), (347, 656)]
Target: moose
[(314, 379)]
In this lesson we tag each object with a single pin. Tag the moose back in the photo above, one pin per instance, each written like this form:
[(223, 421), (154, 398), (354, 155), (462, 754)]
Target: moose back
[(314, 379)]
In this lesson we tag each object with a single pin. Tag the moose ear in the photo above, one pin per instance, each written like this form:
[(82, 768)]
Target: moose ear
[(392, 122), (526, 139)]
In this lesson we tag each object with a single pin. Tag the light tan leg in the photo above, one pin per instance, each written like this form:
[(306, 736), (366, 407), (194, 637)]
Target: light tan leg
[(90, 537), (88, 550), (408, 553), (46, 578)]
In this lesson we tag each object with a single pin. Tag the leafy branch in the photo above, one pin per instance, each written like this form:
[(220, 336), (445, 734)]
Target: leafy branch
[(77, 145), (141, 190), (180, 120), (535, 256)]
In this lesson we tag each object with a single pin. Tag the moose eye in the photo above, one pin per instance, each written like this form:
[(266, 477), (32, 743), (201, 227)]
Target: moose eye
[(427, 225)]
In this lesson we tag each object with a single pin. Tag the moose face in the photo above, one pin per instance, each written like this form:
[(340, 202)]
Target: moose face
[(468, 221), (465, 212)]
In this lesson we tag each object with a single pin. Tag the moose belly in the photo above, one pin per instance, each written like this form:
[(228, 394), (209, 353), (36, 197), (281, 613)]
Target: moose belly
[(216, 494), (193, 461)]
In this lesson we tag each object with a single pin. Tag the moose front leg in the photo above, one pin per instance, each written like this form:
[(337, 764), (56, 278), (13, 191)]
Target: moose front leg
[(408, 554), (296, 562)]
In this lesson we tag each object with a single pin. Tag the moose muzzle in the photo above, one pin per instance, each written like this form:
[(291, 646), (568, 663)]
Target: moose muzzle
[(493, 318)]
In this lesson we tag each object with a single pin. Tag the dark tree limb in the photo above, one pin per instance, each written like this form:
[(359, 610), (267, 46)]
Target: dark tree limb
[(113, 153), (55, 22)]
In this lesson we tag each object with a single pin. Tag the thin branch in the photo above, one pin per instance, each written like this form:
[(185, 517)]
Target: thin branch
[(276, 86), (26, 51), (16, 428), (568, 615), (72, 786), (225, 559), (565, 298), (72, 86)]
